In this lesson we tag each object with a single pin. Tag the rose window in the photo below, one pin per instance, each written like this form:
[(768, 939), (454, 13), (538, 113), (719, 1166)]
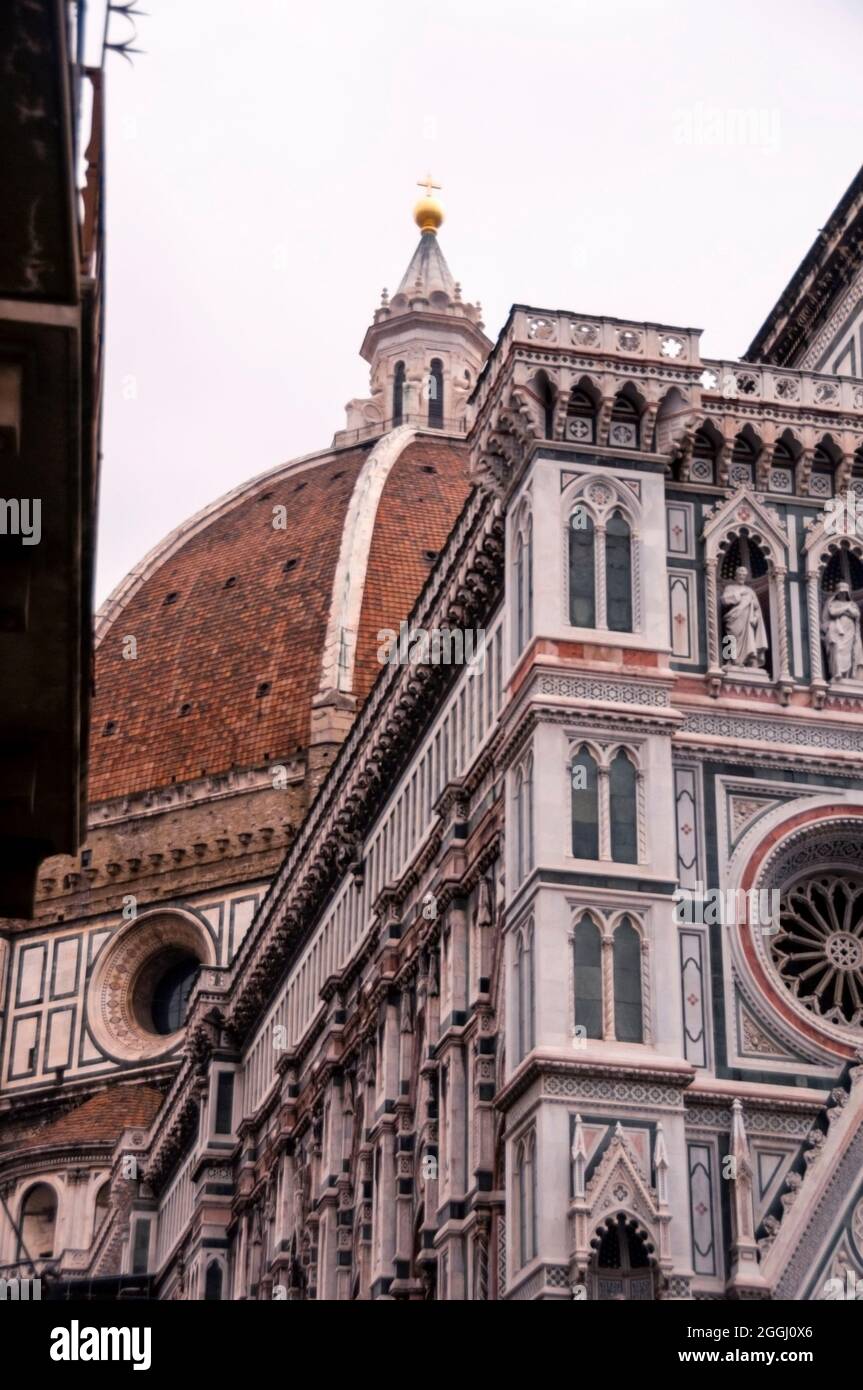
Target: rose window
[(818, 949)]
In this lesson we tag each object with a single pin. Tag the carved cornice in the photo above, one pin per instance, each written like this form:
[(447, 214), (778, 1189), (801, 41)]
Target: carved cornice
[(672, 1079)]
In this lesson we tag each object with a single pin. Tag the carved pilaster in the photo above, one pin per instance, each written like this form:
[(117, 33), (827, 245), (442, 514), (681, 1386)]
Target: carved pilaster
[(608, 988), (813, 596), (714, 666), (786, 684), (601, 598)]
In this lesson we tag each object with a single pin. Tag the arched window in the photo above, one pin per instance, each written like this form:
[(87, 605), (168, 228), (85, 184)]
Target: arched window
[(436, 394), (622, 791), (520, 561), (705, 446), (743, 457), (525, 1199), (528, 815), (582, 568), (588, 977), (524, 992), (623, 430), (782, 468), (518, 817), (519, 997), (621, 1267), (398, 393), (38, 1223), (546, 395), (822, 477), (627, 983), (103, 1200), (618, 573), (585, 806), (581, 417), (523, 583), (213, 1282), (529, 597)]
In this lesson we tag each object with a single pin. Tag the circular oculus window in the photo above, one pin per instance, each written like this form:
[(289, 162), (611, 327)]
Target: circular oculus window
[(815, 951), (140, 989)]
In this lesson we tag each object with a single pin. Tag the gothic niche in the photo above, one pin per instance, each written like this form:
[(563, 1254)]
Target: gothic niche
[(744, 607), (818, 949), (622, 1267), (841, 592)]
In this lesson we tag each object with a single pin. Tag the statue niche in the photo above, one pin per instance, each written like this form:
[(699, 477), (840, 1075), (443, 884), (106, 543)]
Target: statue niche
[(745, 609), (841, 587)]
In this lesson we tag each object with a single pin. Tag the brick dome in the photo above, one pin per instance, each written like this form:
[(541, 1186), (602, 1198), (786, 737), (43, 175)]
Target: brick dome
[(238, 624)]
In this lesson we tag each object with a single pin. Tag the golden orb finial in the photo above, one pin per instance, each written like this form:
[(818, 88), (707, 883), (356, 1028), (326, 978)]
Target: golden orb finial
[(428, 213)]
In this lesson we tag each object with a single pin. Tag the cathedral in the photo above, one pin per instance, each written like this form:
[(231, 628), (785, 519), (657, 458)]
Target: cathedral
[(470, 906)]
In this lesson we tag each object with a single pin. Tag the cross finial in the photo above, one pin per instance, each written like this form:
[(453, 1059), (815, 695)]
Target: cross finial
[(428, 184)]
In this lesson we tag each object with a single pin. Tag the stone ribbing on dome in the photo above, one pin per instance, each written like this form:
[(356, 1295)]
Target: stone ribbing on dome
[(385, 557), (230, 642), (418, 508)]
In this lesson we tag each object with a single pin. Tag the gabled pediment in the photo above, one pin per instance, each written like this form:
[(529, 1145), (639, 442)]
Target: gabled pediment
[(744, 510), (618, 1184)]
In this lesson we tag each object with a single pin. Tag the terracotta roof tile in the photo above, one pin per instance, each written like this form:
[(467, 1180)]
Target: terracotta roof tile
[(188, 704), (102, 1118)]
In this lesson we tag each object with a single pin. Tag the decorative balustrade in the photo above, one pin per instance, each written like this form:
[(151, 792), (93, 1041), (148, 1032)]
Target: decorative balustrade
[(614, 384)]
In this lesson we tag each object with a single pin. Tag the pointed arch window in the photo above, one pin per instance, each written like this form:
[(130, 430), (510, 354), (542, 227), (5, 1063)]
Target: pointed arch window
[(520, 562), (623, 799), (607, 805), (525, 1198), (623, 430), (702, 468), (743, 457), (782, 468), (547, 398), (528, 814), (523, 819), (436, 394), (618, 573), (213, 1282), (822, 477), (524, 991), (38, 1223), (602, 558), (519, 825), (398, 394), (582, 568), (103, 1202), (608, 980), (529, 596), (523, 582), (581, 417), (588, 977), (627, 983), (585, 806)]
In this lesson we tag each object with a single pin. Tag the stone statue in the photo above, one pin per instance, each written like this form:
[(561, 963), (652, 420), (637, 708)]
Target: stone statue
[(743, 622), (840, 628)]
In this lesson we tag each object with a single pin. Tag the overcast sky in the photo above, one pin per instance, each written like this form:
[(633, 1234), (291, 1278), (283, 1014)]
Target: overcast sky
[(651, 159)]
